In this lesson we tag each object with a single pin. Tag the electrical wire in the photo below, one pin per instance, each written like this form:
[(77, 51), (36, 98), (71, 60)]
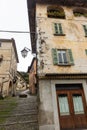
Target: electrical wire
[(17, 31)]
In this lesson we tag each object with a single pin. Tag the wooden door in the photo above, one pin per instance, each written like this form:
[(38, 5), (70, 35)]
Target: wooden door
[(72, 109)]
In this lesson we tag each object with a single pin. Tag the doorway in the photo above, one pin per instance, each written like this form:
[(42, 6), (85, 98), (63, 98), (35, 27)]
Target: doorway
[(71, 106)]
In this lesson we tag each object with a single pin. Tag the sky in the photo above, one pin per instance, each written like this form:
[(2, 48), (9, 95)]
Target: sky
[(14, 17)]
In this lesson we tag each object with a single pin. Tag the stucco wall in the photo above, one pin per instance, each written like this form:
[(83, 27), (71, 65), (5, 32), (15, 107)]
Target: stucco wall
[(74, 39), (46, 118)]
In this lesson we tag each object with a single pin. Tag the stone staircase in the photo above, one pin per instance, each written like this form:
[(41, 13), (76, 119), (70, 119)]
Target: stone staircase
[(24, 116)]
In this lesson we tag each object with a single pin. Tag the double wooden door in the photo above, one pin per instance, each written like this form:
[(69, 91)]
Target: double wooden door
[(72, 109)]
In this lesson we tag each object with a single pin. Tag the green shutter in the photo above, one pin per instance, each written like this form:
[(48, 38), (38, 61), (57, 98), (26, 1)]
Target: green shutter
[(60, 28), (71, 60), (85, 29), (54, 56), (56, 28), (86, 51)]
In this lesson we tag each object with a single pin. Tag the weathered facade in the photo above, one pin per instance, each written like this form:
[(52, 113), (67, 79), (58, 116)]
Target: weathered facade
[(59, 38), (8, 66), (32, 77)]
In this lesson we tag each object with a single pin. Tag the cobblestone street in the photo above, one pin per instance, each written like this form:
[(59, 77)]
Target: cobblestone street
[(22, 117)]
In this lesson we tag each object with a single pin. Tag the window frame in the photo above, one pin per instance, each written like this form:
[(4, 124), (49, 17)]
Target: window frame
[(56, 12), (58, 30), (62, 53), (69, 57)]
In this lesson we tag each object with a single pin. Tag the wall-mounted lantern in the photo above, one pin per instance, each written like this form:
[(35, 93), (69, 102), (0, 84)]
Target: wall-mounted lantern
[(25, 51)]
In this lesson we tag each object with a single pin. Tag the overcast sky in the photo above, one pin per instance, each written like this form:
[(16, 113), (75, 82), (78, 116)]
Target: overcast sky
[(14, 17)]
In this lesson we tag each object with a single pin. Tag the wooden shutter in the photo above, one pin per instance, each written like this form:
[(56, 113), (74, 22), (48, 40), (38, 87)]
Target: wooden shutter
[(71, 60), (54, 56), (86, 51), (85, 29), (56, 28)]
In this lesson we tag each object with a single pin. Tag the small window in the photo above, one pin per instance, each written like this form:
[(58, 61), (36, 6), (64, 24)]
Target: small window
[(78, 104), (58, 31), (85, 30), (62, 57), (63, 104)]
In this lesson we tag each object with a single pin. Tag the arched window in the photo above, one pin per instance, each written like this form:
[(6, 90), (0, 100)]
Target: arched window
[(55, 12), (80, 12)]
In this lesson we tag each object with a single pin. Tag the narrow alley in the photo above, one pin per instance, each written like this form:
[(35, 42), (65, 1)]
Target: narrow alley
[(22, 115)]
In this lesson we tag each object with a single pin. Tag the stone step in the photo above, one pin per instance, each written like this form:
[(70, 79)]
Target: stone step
[(20, 126), (20, 111), (28, 111), (22, 118), (30, 99), (34, 113), (30, 105)]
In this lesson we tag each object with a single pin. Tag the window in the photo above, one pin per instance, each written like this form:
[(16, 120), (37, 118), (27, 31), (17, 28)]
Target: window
[(62, 57), (58, 29), (63, 104), (78, 12), (85, 29), (55, 12), (78, 104)]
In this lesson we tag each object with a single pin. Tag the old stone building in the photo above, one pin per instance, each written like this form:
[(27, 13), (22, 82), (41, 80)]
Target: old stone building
[(59, 38), (8, 66)]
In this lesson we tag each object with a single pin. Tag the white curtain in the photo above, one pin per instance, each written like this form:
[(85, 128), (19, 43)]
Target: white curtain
[(63, 105), (78, 104)]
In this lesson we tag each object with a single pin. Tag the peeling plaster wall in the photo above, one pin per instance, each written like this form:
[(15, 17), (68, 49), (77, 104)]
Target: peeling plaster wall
[(74, 39)]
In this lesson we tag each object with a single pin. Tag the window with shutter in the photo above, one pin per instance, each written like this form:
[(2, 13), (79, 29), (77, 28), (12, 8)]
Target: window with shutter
[(58, 29), (85, 29), (86, 51), (62, 57)]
